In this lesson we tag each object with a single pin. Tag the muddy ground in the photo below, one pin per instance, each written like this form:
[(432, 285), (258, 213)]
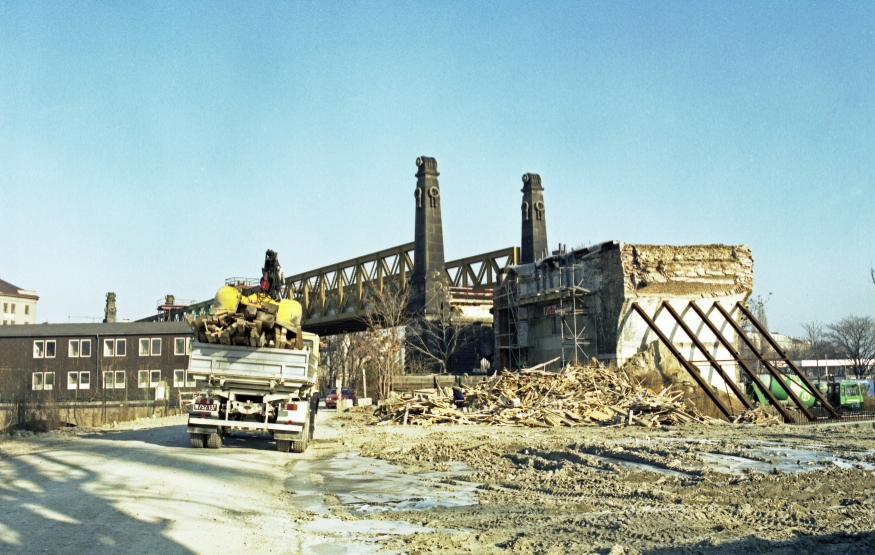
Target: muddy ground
[(709, 489), (138, 487)]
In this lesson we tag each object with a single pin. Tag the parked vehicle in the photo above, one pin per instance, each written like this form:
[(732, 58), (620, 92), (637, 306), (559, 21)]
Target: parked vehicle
[(345, 393), (844, 394)]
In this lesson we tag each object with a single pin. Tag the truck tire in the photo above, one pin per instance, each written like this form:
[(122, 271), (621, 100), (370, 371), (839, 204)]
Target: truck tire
[(300, 445), (214, 441), (197, 440), (282, 445)]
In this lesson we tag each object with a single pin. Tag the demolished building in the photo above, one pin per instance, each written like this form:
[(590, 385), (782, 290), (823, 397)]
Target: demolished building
[(611, 301)]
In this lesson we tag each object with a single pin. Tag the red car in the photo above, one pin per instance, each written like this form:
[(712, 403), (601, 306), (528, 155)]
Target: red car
[(345, 392)]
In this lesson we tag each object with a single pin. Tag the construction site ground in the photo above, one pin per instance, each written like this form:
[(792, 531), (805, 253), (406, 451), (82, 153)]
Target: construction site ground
[(139, 487)]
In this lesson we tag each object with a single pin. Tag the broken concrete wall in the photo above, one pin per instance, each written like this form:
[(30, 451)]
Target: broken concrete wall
[(703, 274), (611, 276)]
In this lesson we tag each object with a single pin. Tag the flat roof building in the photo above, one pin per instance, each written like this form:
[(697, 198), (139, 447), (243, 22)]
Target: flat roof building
[(91, 363)]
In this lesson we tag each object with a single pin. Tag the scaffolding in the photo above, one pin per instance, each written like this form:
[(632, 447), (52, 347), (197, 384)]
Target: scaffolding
[(507, 337), (556, 278)]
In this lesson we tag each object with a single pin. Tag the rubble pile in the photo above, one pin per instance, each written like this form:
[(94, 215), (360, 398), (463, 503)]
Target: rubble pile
[(574, 396), (760, 416), (251, 326)]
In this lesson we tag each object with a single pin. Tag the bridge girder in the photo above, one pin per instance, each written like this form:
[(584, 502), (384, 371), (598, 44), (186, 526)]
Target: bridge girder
[(334, 298)]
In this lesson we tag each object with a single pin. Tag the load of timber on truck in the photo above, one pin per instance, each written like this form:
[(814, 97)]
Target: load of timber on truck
[(257, 365)]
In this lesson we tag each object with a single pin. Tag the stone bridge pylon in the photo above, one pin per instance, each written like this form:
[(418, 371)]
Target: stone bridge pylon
[(335, 298)]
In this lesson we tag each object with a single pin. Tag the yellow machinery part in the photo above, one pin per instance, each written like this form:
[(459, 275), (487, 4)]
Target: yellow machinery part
[(258, 300), (289, 314), (227, 298)]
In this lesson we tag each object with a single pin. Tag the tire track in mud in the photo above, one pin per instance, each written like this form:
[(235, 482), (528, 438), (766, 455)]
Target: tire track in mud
[(588, 490)]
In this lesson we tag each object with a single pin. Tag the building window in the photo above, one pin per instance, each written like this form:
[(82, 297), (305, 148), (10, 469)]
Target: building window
[(114, 347), (143, 378), (108, 380), (150, 346), (44, 348), (5, 308), (154, 378), (119, 379), (72, 352), (43, 381), (182, 346), (13, 308), (26, 309), (85, 348), (181, 378), (78, 380)]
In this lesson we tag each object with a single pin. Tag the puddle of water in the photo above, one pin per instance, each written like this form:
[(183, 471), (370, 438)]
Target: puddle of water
[(366, 486), (782, 458), (357, 527), (763, 456), (371, 485)]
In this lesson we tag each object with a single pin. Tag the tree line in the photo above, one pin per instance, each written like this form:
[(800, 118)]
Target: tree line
[(851, 338)]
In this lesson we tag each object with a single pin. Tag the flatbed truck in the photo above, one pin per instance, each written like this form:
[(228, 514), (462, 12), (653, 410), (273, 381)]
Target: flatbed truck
[(255, 390)]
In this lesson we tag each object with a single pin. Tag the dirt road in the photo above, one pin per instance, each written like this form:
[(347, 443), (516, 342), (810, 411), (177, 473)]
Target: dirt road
[(140, 488)]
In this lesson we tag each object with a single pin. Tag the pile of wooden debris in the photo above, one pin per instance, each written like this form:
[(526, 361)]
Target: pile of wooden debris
[(252, 326), (574, 396), (760, 416)]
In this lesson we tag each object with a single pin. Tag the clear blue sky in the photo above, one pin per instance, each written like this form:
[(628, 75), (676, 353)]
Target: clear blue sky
[(153, 148)]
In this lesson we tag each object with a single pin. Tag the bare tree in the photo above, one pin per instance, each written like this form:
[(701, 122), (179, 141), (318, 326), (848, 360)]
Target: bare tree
[(815, 334), (854, 338), (386, 319), (757, 307), (435, 341), (345, 355)]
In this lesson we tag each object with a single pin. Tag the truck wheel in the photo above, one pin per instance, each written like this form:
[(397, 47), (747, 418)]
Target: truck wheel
[(197, 440), (282, 445), (214, 441), (300, 445)]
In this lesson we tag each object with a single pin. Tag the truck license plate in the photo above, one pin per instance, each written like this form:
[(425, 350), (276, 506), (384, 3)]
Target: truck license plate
[(206, 408)]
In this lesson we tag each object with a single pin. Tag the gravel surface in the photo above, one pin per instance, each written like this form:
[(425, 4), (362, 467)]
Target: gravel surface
[(139, 488)]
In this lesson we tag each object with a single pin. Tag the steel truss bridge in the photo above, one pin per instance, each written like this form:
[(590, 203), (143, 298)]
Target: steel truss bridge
[(334, 298)]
